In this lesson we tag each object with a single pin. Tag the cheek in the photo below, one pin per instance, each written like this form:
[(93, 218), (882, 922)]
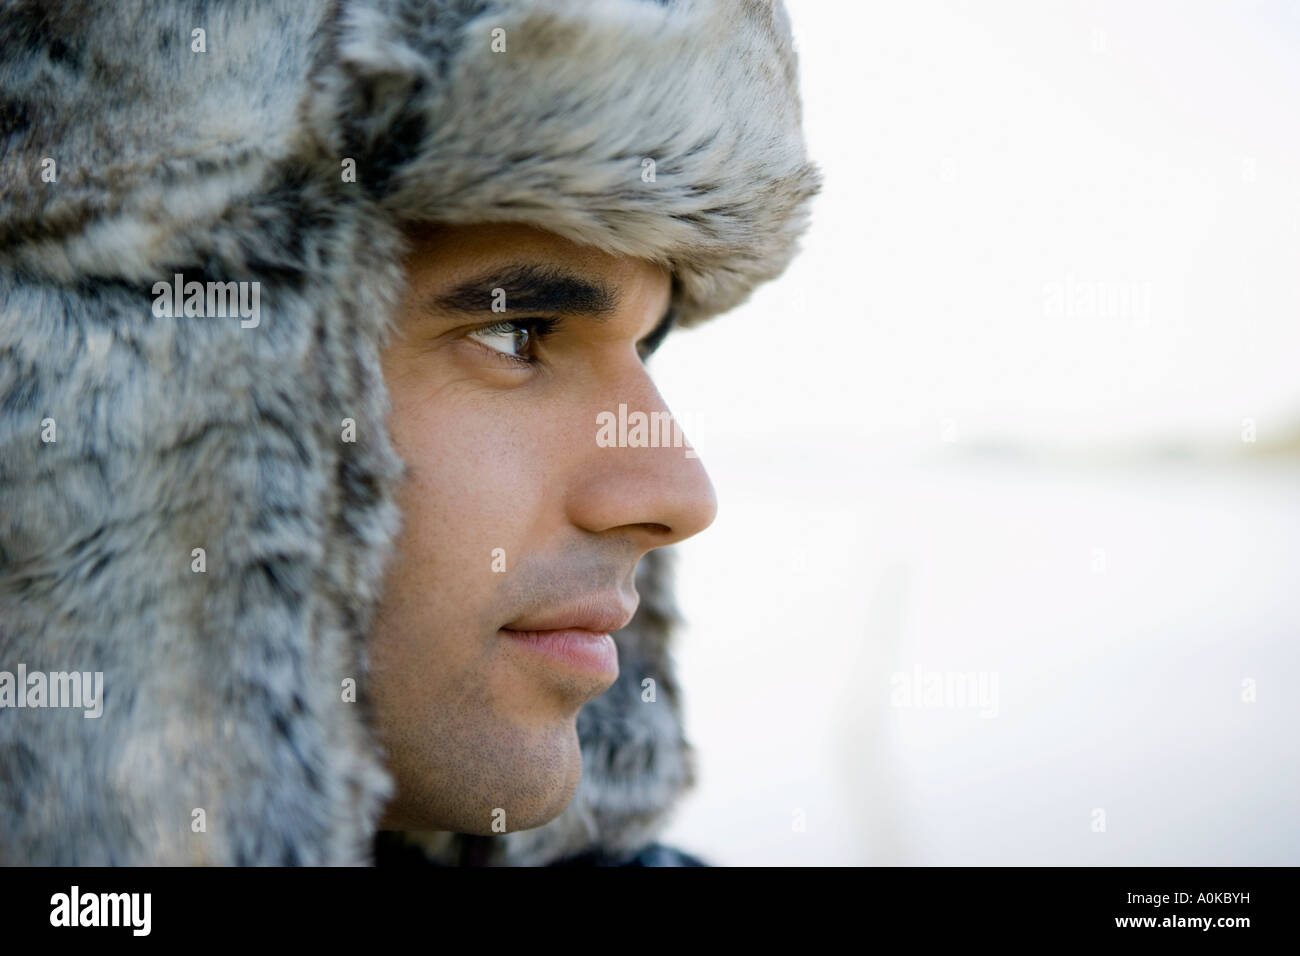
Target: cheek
[(476, 489)]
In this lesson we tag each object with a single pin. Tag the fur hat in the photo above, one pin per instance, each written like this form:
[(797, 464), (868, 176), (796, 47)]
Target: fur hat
[(179, 511)]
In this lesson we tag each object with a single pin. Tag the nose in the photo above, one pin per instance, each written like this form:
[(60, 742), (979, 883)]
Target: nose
[(638, 476)]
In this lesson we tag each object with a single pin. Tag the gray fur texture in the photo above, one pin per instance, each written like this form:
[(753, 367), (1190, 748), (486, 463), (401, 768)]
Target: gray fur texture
[(222, 689)]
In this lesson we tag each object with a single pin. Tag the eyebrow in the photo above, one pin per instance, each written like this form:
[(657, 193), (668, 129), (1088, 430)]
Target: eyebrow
[(534, 287), (530, 287)]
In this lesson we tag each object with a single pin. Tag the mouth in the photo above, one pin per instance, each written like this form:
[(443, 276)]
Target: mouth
[(576, 637)]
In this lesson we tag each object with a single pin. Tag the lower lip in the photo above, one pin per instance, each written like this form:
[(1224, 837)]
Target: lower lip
[(579, 650)]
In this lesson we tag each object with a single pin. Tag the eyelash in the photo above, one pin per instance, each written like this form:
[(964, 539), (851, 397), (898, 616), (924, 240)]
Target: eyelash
[(539, 329)]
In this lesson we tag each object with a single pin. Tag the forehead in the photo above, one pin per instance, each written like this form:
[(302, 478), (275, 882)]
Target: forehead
[(443, 255)]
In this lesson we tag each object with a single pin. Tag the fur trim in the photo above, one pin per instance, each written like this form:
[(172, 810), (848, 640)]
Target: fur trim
[(555, 130), (222, 688)]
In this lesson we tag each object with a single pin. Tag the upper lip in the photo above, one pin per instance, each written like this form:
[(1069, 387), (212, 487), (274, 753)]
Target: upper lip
[(600, 614)]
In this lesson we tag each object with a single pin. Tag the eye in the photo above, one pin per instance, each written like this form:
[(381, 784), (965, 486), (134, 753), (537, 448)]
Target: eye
[(516, 339), (508, 338), (647, 346)]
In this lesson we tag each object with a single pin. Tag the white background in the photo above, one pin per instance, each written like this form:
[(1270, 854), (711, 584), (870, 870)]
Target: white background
[(937, 444)]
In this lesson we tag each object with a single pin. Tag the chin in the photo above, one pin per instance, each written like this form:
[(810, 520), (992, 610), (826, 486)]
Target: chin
[(544, 786), (532, 778)]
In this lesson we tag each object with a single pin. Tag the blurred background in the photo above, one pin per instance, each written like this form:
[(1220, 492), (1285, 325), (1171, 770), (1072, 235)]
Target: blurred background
[(1006, 568)]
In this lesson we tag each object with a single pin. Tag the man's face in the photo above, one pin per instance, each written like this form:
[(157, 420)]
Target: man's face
[(520, 531)]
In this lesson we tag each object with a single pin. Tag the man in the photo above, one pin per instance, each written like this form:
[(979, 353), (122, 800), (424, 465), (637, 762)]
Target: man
[(309, 317)]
